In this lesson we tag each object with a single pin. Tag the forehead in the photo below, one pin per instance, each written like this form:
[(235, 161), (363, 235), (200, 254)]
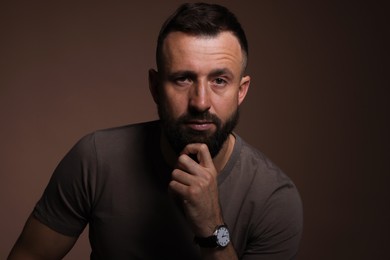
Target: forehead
[(183, 51)]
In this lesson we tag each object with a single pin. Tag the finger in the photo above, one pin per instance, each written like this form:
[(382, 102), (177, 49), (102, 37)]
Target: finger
[(187, 164), (179, 188), (182, 177), (204, 156), (202, 152)]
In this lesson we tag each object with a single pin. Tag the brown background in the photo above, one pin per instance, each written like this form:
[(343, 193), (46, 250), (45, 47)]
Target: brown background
[(317, 104)]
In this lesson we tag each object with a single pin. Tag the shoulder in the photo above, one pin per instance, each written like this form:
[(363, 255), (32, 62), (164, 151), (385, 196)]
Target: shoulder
[(261, 169), (269, 183), (267, 187), (127, 132), (111, 144), (252, 177), (119, 137), (277, 214)]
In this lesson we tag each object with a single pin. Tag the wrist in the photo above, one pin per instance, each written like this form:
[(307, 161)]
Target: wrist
[(207, 228), (220, 238)]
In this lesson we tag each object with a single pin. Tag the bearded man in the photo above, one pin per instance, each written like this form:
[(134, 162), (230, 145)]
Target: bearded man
[(185, 186)]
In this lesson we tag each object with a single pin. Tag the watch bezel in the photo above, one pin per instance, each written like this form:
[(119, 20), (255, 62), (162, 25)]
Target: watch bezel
[(219, 229)]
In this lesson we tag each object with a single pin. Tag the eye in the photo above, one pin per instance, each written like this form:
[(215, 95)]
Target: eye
[(182, 81), (220, 82)]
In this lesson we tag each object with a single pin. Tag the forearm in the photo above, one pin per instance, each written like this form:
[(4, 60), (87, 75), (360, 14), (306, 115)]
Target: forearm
[(38, 241), (20, 253)]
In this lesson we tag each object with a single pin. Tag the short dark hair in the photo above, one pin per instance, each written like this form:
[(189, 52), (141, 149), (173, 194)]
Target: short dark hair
[(201, 19)]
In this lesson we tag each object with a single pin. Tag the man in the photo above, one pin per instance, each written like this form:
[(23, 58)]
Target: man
[(184, 187)]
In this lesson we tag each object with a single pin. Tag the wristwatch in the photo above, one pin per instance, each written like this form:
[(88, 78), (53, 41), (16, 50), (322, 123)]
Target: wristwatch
[(220, 238)]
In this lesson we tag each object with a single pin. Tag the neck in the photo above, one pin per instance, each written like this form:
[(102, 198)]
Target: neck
[(223, 156), (219, 160)]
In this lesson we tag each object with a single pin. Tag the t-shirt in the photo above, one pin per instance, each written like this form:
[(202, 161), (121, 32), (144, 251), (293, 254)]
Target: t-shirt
[(116, 181)]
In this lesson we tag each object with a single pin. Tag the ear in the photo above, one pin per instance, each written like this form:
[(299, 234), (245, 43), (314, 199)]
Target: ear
[(153, 84), (243, 89)]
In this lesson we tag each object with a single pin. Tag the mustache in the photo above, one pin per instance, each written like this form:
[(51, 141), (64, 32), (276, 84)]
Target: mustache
[(199, 116)]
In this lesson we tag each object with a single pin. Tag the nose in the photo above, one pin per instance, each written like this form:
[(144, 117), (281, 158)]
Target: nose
[(199, 99)]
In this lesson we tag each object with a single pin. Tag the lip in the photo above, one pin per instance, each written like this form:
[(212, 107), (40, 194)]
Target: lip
[(200, 125)]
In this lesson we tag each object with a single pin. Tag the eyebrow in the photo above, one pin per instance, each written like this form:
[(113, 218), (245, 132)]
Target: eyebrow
[(191, 74), (219, 72), (181, 73)]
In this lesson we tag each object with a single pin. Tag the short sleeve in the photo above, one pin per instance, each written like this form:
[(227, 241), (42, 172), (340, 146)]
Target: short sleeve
[(67, 201), (278, 232)]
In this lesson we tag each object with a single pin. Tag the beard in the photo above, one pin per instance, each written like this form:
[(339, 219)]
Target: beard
[(179, 135)]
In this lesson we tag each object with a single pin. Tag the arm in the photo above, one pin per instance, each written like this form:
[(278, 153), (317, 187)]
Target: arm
[(37, 241), (65, 205), (277, 235), (196, 184)]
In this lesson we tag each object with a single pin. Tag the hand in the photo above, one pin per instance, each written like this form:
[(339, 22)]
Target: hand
[(196, 184)]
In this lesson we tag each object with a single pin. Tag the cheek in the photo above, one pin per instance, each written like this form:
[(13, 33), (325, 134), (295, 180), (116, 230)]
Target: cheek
[(224, 107), (173, 103)]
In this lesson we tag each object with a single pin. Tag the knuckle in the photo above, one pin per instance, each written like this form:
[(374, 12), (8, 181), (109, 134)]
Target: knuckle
[(208, 178), (175, 174), (193, 192), (202, 185), (181, 161), (181, 158), (203, 147), (173, 185)]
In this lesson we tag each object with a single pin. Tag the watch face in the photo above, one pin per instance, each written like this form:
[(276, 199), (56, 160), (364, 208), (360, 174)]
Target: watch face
[(223, 237)]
